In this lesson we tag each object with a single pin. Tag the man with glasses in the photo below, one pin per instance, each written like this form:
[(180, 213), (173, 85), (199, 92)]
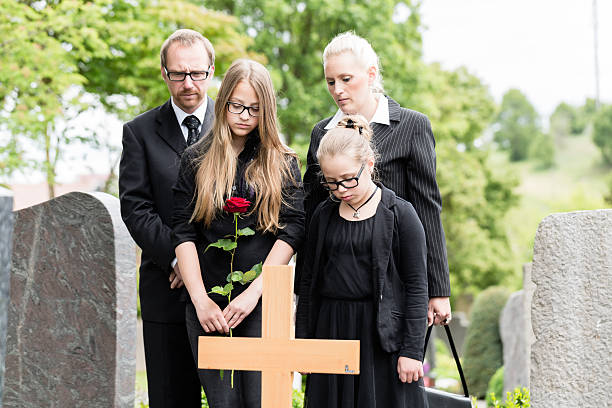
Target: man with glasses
[(153, 143)]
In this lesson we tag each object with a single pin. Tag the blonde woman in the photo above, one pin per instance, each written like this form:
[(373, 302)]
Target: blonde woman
[(365, 278), (242, 156)]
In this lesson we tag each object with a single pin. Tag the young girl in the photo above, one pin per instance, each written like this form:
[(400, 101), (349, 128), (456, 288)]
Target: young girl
[(365, 278), (242, 156)]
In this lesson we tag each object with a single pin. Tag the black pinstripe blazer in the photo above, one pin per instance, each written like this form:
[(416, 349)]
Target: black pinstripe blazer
[(407, 165)]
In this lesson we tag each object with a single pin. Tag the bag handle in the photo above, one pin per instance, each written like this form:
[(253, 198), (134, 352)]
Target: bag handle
[(454, 350)]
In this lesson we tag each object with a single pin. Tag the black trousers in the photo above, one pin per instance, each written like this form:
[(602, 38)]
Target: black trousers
[(172, 377), (247, 384)]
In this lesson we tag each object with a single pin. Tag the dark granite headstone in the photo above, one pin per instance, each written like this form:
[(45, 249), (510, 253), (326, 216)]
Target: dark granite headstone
[(72, 315), (6, 233)]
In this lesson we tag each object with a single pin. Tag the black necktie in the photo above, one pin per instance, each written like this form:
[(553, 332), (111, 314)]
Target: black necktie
[(192, 123)]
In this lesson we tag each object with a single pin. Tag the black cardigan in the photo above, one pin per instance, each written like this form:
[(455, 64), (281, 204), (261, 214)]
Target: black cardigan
[(399, 260), (407, 165)]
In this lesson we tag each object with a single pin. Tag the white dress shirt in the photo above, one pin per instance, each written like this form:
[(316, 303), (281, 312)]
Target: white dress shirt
[(181, 115)]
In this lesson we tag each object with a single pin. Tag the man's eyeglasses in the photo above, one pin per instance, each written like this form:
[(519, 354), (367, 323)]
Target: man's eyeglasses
[(346, 183), (238, 108), (180, 76)]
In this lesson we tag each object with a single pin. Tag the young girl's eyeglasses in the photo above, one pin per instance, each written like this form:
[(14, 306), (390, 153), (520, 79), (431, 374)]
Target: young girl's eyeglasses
[(346, 183)]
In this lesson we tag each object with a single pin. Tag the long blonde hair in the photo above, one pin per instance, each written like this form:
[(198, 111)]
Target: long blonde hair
[(266, 173)]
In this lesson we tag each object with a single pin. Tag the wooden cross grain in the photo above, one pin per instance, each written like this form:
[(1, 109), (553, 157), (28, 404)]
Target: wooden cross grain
[(278, 353)]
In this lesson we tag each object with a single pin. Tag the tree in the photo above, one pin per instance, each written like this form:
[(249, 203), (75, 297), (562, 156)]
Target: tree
[(518, 124), (475, 195), (602, 132), (57, 53), (562, 121), (292, 35), (542, 151), (129, 82)]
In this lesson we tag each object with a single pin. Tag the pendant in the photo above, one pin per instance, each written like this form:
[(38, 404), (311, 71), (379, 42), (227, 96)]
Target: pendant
[(356, 214)]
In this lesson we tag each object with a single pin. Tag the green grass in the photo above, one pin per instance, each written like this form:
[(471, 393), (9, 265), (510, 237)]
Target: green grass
[(576, 182)]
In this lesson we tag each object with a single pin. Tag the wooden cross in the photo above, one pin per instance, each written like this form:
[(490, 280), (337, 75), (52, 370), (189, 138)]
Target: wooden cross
[(278, 353)]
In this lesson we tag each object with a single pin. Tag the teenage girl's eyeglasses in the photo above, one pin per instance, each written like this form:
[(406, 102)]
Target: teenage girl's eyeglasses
[(346, 183), (238, 108)]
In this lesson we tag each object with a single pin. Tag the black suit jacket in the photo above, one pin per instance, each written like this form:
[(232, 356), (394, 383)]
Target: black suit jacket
[(152, 147), (407, 165), (399, 258)]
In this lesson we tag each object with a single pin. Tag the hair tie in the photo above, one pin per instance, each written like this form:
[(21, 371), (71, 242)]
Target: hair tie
[(350, 124)]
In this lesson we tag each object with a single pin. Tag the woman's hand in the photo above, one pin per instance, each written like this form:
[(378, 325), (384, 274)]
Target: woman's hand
[(210, 316), (243, 304), (409, 370)]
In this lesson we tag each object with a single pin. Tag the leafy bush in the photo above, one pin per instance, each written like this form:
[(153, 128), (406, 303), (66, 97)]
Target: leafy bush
[(496, 385), (542, 151), (483, 353), (602, 132), (518, 399)]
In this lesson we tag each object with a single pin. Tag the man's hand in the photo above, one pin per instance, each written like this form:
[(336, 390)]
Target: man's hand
[(438, 311), (175, 278)]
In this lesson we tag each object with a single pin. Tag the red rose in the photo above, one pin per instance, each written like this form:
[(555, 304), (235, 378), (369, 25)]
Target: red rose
[(236, 205)]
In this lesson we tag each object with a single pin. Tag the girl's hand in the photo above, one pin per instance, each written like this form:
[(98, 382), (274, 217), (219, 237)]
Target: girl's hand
[(241, 306), (210, 316), (409, 370)]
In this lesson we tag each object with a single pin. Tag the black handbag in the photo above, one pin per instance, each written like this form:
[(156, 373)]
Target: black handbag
[(443, 399)]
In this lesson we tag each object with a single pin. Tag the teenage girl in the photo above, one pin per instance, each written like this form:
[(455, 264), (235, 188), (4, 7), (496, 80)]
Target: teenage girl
[(365, 278), (242, 156)]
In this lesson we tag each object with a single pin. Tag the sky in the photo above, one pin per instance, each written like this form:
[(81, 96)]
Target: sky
[(545, 48)]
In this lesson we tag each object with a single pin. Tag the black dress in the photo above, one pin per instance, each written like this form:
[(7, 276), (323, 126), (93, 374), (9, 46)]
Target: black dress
[(347, 313)]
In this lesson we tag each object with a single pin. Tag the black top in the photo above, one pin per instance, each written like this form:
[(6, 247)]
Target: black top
[(215, 263), (348, 259), (407, 165), (399, 270)]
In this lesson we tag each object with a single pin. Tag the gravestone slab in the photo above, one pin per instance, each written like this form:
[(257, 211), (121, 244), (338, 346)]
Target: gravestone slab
[(6, 233), (571, 312), (72, 316), (517, 335)]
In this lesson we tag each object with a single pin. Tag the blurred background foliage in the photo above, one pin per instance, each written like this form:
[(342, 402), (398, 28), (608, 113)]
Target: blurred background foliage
[(498, 166)]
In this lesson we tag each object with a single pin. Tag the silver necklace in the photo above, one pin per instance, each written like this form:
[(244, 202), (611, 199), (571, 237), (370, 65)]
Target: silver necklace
[(356, 214)]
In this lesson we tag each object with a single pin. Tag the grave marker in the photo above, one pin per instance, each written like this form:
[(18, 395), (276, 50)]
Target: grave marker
[(72, 315), (277, 353), (571, 363), (6, 233)]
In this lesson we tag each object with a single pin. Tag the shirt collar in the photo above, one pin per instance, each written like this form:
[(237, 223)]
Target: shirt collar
[(380, 116), (199, 113)]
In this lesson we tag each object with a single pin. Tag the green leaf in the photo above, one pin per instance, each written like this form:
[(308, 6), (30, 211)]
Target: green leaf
[(218, 290), (257, 268), (221, 374), (228, 288), (248, 277), (236, 276), (245, 232), (252, 274), (224, 244)]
